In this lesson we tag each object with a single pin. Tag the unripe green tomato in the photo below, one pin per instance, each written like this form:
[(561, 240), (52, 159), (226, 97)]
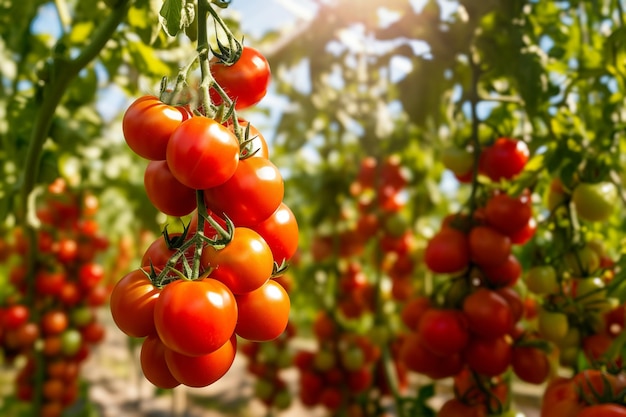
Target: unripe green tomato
[(71, 341), (568, 357), (269, 353), (591, 293), (571, 339), (582, 262), (81, 316), (353, 358), (396, 224), (263, 389), (282, 399), (324, 361), (542, 279), (457, 160), (594, 202), (552, 325)]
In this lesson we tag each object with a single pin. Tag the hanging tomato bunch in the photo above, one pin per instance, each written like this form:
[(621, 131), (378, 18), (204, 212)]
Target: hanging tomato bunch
[(196, 291), (52, 320)]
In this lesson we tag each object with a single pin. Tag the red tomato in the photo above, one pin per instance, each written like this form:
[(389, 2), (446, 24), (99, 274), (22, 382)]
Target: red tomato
[(263, 314), (561, 399), (530, 364), (93, 332), (49, 282), (416, 357), (603, 410), (245, 82), (504, 159), (244, 264), (456, 408), (488, 313), (14, 316), (488, 247), (90, 275), (447, 251), (200, 371), (54, 322), (165, 192), (195, 317), (516, 305), (251, 195), (148, 124), (488, 356), (132, 304), (505, 274), (201, 153), (442, 331), (280, 231), (508, 214), (153, 365), (414, 310), (257, 145), (592, 385)]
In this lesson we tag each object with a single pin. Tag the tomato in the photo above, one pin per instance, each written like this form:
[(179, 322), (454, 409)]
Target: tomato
[(488, 247), (413, 311), (504, 159), (93, 332), (457, 160), (447, 251), (165, 192), (530, 364), (516, 305), (552, 325), (201, 153), (148, 124), (542, 279), (66, 250), (245, 82), (508, 214), (594, 202), (596, 345), (153, 365), (523, 235), (489, 392), (54, 322), (49, 282), (443, 331), (416, 357), (200, 371), (257, 145), (81, 316), (488, 356), (280, 231), (71, 342), (505, 274), (456, 408), (591, 293), (90, 275), (244, 264), (23, 336), (582, 262), (132, 304), (263, 313), (594, 385), (603, 410), (251, 195), (15, 316), (195, 317), (488, 313)]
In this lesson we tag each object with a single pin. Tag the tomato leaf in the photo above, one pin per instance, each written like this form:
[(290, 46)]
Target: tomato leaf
[(177, 15)]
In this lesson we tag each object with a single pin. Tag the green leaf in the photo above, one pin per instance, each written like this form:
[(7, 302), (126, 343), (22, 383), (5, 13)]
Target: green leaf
[(177, 15), (146, 61), (81, 32)]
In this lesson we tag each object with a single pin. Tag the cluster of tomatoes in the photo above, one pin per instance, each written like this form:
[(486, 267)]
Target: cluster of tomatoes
[(341, 369), (198, 290), (51, 318)]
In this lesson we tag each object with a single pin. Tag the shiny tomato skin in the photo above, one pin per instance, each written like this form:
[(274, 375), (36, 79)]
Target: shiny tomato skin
[(488, 313), (132, 304), (90, 275), (504, 159), (250, 195), (530, 364), (508, 214), (488, 247), (561, 399), (504, 274), (201, 371), (244, 264), (153, 365), (280, 231), (195, 318), (148, 124), (447, 251), (165, 192), (417, 358), (595, 202), (257, 144), (456, 408), (201, 153), (263, 314), (488, 356), (49, 282), (443, 331), (603, 410), (245, 81)]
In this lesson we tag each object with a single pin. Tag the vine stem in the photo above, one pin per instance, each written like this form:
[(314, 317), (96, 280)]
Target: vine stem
[(204, 49)]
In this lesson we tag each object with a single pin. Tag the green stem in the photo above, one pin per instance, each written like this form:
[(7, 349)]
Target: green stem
[(203, 49)]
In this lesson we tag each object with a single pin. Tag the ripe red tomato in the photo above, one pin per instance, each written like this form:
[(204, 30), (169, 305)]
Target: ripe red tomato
[(505, 274), (594, 384), (508, 214), (417, 358), (456, 408), (488, 313), (14, 316), (195, 317), (153, 365), (148, 124), (488, 356), (603, 410), (244, 264), (263, 314), (447, 251), (54, 322), (201, 153), (90, 275), (165, 192), (413, 311), (245, 82), (443, 331), (93, 332), (251, 195), (530, 364), (280, 231), (49, 282), (200, 371), (132, 304), (488, 247), (504, 159)]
